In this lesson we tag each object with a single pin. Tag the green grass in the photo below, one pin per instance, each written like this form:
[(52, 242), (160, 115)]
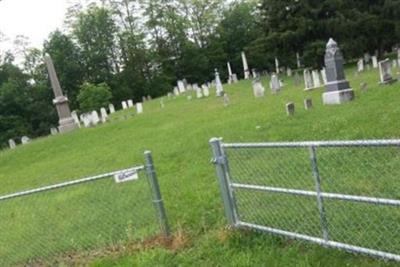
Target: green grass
[(178, 137)]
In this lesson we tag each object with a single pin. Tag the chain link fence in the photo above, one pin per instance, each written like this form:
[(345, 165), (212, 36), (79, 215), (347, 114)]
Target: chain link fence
[(343, 194), (48, 225)]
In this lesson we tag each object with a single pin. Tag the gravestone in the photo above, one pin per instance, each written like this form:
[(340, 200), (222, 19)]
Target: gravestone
[(308, 80), (275, 84), (374, 62), (290, 108), (162, 103), (218, 84), (111, 108), (104, 115), (289, 72), (229, 72), (234, 78), (323, 74), (11, 144), (144, 99), (176, 91), (74, 115), (308, 103), (199, 92), (53, 131), (25, 140), (226, 99), (367, 57), (139, 108), (394, 63), (169, 95), (86, 119), (298, 60), (276, 66), (385, 72), (130, 103), (66, 123), (316, 79), (124, 105), (337, 88), (181, 87), (149, 98), (360, 65), (254, 73), (297, 79), (95, 118), (245, 67), (206, 91), (258, 88)]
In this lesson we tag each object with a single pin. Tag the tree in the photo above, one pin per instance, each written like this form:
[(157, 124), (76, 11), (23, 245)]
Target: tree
[(93, 97)]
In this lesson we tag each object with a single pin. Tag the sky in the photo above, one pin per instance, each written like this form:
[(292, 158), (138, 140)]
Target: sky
[(32, 18)]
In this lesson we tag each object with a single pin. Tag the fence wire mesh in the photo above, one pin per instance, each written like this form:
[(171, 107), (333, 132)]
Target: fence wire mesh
[(354, 204), (75, 221)]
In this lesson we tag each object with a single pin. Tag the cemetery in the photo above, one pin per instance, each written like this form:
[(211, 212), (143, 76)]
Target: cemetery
[(166, 207)]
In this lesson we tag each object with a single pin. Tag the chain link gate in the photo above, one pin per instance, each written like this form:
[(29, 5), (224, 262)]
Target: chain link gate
[(74, 219), (340, 194)]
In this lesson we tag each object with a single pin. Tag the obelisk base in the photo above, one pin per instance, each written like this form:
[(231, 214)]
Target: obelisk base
[(67, 125), (338, 97)]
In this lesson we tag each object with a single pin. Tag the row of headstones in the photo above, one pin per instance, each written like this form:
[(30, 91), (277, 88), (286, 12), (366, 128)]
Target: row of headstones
[(87, 119)]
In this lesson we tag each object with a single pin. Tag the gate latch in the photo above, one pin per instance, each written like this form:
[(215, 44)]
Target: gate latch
[(218, 160)]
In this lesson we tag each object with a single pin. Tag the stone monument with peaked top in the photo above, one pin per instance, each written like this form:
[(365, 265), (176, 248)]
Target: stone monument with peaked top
[(385, 72), (66, 123), (337, 88), (245, 67)]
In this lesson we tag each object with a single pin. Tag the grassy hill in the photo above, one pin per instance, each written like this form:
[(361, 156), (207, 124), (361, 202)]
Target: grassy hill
[(178, 136)]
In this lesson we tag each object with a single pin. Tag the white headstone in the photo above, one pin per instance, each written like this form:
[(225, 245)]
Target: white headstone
[(104, 115), (276, 66), (245, 66), (130, 103), (374, 62), (111, 108), (199, 92), (308, 80), (11, 143), (176, 91), (86, 119), (229, 72), (95, 118), (226, 100), (139, 108), (316, 79), (162, 103), (25, 140), (124, 105), (289, 72), (74, 115), (206, 90), (218, 84), (323, 74), (258, 88), (181, 87), (360, 65), (54, 131), (298, 60), (234, 78), (275, 83)]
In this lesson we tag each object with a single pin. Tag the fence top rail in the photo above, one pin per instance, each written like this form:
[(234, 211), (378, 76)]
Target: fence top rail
[(68, 183), (338, 143)]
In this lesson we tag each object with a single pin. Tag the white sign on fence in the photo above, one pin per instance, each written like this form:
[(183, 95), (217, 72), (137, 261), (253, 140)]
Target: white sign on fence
[(126, 176)]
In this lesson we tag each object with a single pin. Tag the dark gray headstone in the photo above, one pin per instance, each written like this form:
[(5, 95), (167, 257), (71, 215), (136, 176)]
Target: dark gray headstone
[(290, 108), (337, 88), (308, 103)]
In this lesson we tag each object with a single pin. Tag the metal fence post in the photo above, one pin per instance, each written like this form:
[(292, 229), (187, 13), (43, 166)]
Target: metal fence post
[(220, 161), (320, 201), (156, 193)]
